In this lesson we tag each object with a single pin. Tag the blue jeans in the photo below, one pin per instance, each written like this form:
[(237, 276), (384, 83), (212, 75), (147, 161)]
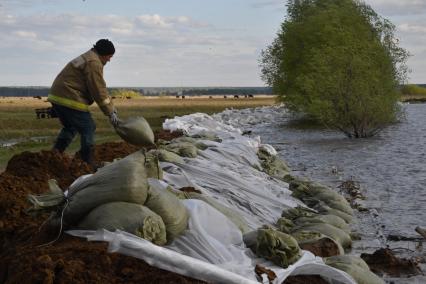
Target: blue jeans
[(73, 122)]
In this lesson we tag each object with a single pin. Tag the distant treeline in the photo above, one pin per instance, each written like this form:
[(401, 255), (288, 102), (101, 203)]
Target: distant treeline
[(44, 91)]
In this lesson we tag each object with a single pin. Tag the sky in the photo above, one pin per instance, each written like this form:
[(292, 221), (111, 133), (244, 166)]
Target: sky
[(167, 43)]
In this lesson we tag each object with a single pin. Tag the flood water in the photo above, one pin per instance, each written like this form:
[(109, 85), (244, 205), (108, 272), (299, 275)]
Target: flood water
[(390, 168)]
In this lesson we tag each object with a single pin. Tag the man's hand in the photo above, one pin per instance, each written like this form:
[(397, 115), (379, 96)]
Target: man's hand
[(113, 118)]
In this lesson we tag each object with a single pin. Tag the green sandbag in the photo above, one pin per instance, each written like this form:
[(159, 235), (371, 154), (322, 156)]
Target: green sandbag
[(196, 142), (170, 208), (130, 217), (280, 248), (123, 180), (207, 136), (272, 165), (348, 259), (334, 220), (296, 212), (183, 149), (317, 241), (232, 215), (335, 233), (325, 209), (341, 206), (354, 268), (167, 156), (136, 131), (285, 225), (152, 164)]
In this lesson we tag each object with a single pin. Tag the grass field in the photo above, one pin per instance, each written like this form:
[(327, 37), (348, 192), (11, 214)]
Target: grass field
[(18, 122)]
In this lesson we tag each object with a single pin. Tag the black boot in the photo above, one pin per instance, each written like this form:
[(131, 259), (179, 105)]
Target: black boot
[(60, 145)]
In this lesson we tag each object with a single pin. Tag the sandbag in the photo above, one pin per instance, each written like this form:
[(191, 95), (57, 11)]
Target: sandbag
[(325, 209), (183, 149), (349, 259), (232, 215), (285, 225), (130, 217), (272, 165), (123, 180), (204, 135), (152, 164), (334, 220), (341, 206), (167, 156), (296, 212), (355, 267), (282, 249), (332, 199), (326, 229), (196, 142), (170, 208), (136, 131)]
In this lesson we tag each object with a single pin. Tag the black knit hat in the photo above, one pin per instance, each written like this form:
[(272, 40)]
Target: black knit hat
[(104, 47)]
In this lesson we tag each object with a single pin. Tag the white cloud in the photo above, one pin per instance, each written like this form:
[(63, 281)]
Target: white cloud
[(25, 34), (398, 7), (415, 28), (151, 49), (275, 4)]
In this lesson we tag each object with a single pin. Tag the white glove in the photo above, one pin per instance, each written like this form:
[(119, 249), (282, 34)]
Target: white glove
[(113, 118)]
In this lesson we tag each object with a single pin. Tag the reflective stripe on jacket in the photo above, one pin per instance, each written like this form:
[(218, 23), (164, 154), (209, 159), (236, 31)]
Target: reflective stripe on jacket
[(81, 83)]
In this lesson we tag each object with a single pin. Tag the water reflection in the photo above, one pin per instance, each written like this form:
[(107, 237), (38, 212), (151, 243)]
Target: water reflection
[(390, 167)]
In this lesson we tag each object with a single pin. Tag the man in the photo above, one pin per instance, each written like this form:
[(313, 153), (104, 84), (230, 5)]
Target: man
[(75, 88)]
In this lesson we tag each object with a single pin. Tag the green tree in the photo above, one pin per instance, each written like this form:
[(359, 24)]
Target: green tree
[(338, 62)]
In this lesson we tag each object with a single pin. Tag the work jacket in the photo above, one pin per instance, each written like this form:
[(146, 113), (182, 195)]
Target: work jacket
[(80, 83)]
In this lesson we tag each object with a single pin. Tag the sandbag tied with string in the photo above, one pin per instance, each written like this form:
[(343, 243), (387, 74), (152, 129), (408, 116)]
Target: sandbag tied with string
[(123, 180)]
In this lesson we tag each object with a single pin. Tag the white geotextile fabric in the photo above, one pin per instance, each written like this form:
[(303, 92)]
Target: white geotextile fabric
[(229, 171), (211, 249)]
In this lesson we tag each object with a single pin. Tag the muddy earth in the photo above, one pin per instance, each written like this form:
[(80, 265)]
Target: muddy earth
[(24, 258)]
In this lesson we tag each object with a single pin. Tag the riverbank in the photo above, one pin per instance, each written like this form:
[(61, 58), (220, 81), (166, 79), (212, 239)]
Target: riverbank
[(229, 166)]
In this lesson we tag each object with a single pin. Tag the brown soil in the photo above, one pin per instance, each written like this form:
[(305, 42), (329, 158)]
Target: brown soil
[(68, 260), (304, 279), (324, 248), (384, 261)]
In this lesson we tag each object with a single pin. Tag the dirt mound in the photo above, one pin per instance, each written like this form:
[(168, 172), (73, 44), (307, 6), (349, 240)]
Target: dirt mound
[(324, 247), (167, 135), (46, 165), (303, 279), (74, 260), (69, 260), (384, 261)]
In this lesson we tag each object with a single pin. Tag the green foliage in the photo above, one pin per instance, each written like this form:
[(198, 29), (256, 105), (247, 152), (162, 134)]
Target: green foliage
[(411, 89), (124, 93), (338, 62)]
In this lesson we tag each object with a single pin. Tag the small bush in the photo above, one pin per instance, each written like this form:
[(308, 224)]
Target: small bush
[(123, 94), (412, 89)]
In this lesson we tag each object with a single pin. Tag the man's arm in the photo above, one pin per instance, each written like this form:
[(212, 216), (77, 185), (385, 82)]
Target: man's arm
[(97, 87)]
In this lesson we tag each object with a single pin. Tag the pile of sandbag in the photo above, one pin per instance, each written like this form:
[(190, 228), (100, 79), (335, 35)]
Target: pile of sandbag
[(185, 146), (321, 198), (118, 196)]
